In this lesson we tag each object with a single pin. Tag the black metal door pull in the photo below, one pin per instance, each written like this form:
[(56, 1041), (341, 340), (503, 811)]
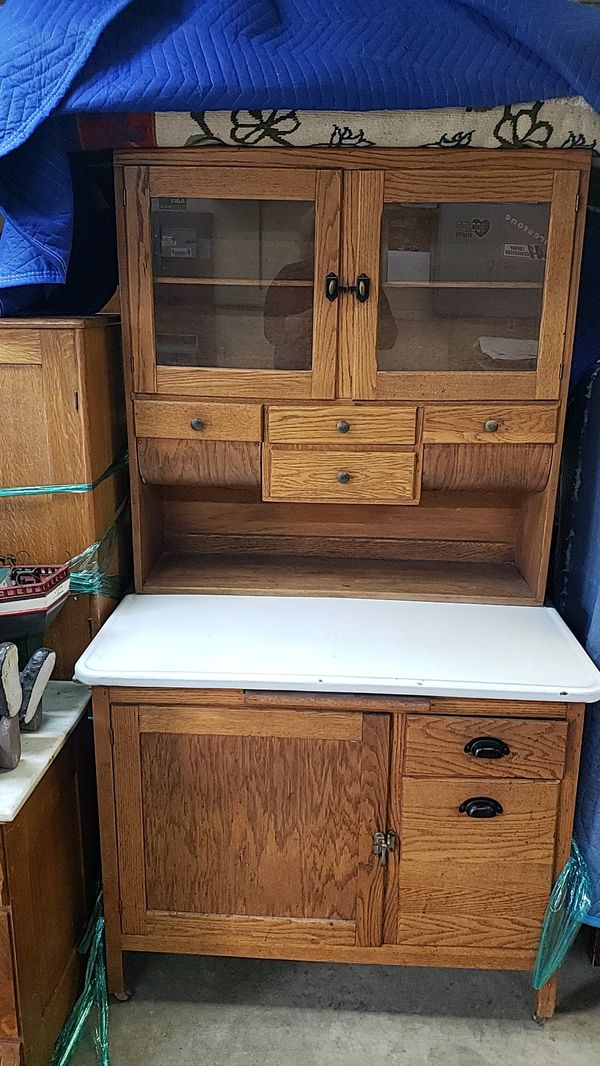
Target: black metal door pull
[(361, 288)]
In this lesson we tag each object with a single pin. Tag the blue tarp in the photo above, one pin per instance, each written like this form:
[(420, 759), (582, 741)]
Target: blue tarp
[(575, 577), (73, 56)]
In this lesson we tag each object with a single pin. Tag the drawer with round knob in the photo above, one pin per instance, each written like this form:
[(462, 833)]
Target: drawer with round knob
[(448, 746), (305, 475), (492, 423), (197, 420), (342, 425)]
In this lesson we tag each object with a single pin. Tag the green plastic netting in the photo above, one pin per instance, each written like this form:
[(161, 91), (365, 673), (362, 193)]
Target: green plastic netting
[(569, 904)]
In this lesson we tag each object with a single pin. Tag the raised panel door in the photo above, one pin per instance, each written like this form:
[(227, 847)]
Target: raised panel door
[(235, 825)]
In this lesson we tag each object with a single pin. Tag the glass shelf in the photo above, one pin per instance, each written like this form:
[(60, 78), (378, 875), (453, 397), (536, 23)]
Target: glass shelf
[(283, 282)]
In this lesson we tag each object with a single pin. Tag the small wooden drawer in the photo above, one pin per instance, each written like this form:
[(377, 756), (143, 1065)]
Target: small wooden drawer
[(443, 746), (345, 476), (190, 420), (342, 425), (490, 424)]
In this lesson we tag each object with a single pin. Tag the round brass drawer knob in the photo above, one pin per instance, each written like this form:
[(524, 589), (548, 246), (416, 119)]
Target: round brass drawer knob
[(491, 425), (343, 477), (197, 424), (343, 426)]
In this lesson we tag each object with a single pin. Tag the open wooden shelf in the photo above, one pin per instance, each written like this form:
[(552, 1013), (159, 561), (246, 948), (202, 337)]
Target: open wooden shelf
[(304, 576), (292, 283)]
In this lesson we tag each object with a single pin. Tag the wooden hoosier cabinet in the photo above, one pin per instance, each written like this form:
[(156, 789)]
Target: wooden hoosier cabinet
[(347, 374), (348, 368)]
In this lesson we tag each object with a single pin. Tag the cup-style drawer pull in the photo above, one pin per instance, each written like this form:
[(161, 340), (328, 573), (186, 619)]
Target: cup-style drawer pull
[(343, 477), (481, 807), (197, 424), (491, 426), (487, 748), (343, 426)]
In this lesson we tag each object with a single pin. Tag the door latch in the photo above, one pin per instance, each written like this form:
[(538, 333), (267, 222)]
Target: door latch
[(361, 288), (383, 843)]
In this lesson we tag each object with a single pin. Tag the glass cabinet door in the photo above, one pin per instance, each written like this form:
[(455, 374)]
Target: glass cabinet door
[(238, 258), (468, 293)]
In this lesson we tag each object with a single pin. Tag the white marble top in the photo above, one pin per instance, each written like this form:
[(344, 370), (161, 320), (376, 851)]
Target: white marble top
[(65, 702), (340, 645)]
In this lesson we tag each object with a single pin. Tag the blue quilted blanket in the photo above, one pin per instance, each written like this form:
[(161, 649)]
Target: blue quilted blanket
[(68, 56)]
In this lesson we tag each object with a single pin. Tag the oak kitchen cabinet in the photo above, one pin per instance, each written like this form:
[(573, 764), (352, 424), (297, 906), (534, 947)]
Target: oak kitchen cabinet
[(356, 360), (346, 376), (332, 828)]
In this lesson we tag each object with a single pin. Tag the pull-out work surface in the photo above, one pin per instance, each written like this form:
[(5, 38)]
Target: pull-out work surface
[(340, 645)]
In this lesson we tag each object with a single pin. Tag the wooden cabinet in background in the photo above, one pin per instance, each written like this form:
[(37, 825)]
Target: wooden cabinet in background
[(63, 423), (311, 329)]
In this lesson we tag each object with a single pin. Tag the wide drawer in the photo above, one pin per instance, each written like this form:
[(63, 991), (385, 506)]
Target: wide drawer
[(490, 423), (342, 425), (345, 476), (196, 420), (440, 746), (476, 882)]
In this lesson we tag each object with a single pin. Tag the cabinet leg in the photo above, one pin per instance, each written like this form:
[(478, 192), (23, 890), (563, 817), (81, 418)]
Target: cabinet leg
[(544, 1000), (114, 970)]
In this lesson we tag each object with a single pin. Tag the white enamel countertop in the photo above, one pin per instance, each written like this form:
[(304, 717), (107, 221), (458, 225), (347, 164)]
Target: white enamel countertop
[(340, 645), (64, 704)]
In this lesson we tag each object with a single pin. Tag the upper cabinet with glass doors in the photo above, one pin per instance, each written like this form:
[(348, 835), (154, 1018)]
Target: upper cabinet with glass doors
[(470, 284), (231, 285), (395, 283)]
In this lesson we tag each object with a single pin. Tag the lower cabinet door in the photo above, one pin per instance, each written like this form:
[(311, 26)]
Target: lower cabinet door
[(476, 862), (239, 830)]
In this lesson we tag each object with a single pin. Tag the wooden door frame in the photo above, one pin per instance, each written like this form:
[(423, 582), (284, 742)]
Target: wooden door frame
[(140, 184), (366, 192)]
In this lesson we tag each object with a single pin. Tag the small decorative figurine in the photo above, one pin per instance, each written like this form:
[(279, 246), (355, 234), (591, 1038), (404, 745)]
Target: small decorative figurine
[(21, 699)]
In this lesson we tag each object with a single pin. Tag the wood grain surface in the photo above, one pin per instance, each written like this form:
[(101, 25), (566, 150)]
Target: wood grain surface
[(435, 747), (305, 475), (318, 425), (221, 421), (272, 830), (517, 424), (504, 468), (205, 464), (475, 882)]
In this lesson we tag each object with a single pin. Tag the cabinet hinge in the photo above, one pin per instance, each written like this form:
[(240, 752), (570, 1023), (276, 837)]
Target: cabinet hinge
[(111, 736), (561, 371), (383, 843), (124, 197), (577, 201)]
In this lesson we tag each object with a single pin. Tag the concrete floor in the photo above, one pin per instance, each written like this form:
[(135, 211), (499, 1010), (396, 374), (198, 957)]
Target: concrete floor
[(239, 1012)]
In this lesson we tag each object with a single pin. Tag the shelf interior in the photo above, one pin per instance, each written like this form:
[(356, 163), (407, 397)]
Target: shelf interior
[(304, 576)]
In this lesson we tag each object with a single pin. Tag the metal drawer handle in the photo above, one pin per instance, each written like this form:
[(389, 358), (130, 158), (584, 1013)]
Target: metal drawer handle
[(197, 424), (481, 807), (491, 426), (343, 477), (343, 426), (487, 748)]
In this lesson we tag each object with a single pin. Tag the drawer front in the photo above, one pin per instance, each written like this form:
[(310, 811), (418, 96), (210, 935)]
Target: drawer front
[(198, 421), (490, 424), (342, 425), (343, 476), (469, 882), (496, 747)]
